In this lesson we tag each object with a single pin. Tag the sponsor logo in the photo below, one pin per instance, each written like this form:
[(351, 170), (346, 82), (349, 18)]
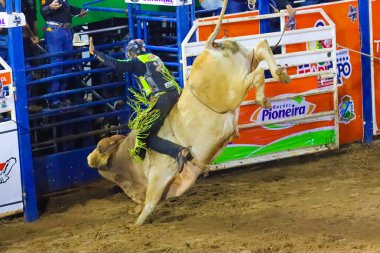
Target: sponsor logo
[(17, 20), (344, 67), (5, 169), (352, 13), (281, 110), (346, 110)]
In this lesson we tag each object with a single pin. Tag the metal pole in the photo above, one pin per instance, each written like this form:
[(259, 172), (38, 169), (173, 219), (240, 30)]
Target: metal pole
[(8, 6), (16, 55), (264, 8), (364, 23), (183, 26), (131, 22)]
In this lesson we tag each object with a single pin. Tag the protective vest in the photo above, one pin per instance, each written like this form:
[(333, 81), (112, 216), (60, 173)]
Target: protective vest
[(157, 77)]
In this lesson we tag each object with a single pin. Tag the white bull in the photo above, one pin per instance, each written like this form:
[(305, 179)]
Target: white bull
[(205, 118)]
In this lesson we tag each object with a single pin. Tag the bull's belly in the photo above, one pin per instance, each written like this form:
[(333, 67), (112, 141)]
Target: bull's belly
[(206, 133)]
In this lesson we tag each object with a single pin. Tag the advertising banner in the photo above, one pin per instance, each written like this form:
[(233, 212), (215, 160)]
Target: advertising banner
[(161, 2), (376, 62), (345, 16), (269, 139), (10, 174), (10, 178)]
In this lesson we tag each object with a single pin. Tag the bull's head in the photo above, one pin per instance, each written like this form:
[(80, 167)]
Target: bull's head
[(100, 157)]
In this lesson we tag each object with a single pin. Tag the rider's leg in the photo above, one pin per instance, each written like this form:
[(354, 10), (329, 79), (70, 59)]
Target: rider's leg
[(164, 104)]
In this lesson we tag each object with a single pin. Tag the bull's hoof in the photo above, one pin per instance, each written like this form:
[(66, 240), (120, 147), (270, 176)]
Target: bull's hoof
[(264, 103), (282, 76)]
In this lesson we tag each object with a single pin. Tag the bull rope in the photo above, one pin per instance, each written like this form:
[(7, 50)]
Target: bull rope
[(200, 100)]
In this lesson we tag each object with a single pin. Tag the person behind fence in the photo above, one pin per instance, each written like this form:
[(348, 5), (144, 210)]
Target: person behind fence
[(59, 38), (159, 93)]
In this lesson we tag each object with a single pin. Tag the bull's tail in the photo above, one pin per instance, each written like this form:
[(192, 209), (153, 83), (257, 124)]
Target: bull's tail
[(215, 33)]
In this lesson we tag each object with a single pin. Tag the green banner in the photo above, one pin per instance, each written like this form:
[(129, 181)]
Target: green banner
[(301, 140)]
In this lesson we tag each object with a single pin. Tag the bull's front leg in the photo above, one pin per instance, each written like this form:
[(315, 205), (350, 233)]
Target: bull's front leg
[(160, 175), (257, 80), (262, 52)]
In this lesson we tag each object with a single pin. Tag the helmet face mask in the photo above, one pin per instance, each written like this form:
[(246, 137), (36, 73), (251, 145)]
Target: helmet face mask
[(134, 48)]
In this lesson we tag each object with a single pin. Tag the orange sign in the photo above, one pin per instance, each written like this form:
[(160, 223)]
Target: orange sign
[(345, 16), (5, 77)]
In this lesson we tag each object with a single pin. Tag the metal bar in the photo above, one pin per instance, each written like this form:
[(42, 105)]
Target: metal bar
[(70, 109), (81, 119), (49, 79), (77, 136), (289, 96), (162, 49), (138, 22), (325, 74), (16, 55), (375, 119), (161, 19), (335, 70), (18, 6), (103, 30), (8, 6), (77, 51), (213, 21), (264, 8), (290, 119), (131, 23), (106, 9), (289, 37), (183, 27), (71, 62), (156, 13), (364, 23), (69, 92)]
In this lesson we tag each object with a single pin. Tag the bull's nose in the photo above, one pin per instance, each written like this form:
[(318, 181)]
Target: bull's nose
[(90, 161)]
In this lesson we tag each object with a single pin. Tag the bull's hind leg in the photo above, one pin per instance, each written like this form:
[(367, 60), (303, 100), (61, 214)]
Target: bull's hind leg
[(264, 52), (158, 181), (257, 79)]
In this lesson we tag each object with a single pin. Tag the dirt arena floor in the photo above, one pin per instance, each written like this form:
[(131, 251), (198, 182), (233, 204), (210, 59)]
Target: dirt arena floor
[(327, 202)]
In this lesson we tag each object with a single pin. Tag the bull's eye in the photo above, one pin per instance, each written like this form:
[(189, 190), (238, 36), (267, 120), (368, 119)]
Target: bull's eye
[(100, 149)]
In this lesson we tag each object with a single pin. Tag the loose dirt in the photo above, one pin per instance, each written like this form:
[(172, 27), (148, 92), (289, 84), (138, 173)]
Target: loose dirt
[(326, 202)]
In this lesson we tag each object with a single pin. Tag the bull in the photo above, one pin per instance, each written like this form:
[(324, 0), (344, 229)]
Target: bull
[(205, 118)]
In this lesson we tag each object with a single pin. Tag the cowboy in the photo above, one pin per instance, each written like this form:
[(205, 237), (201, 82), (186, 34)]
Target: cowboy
[(157, 84)]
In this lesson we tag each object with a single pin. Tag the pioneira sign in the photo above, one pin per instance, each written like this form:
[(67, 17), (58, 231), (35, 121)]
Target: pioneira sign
[(161, 2), (281, 110)]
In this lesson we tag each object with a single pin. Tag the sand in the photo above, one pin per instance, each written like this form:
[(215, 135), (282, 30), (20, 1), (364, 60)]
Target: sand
[(328, 202)]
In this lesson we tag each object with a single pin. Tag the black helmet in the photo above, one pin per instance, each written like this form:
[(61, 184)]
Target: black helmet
[(135, 47)]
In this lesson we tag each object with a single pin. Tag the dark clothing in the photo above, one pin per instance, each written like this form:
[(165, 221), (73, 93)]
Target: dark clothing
[(281, 4), (62, 15), (28, 8), (234, 6), (166, 100), (164, 104), (148, 69), (59, 38)]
